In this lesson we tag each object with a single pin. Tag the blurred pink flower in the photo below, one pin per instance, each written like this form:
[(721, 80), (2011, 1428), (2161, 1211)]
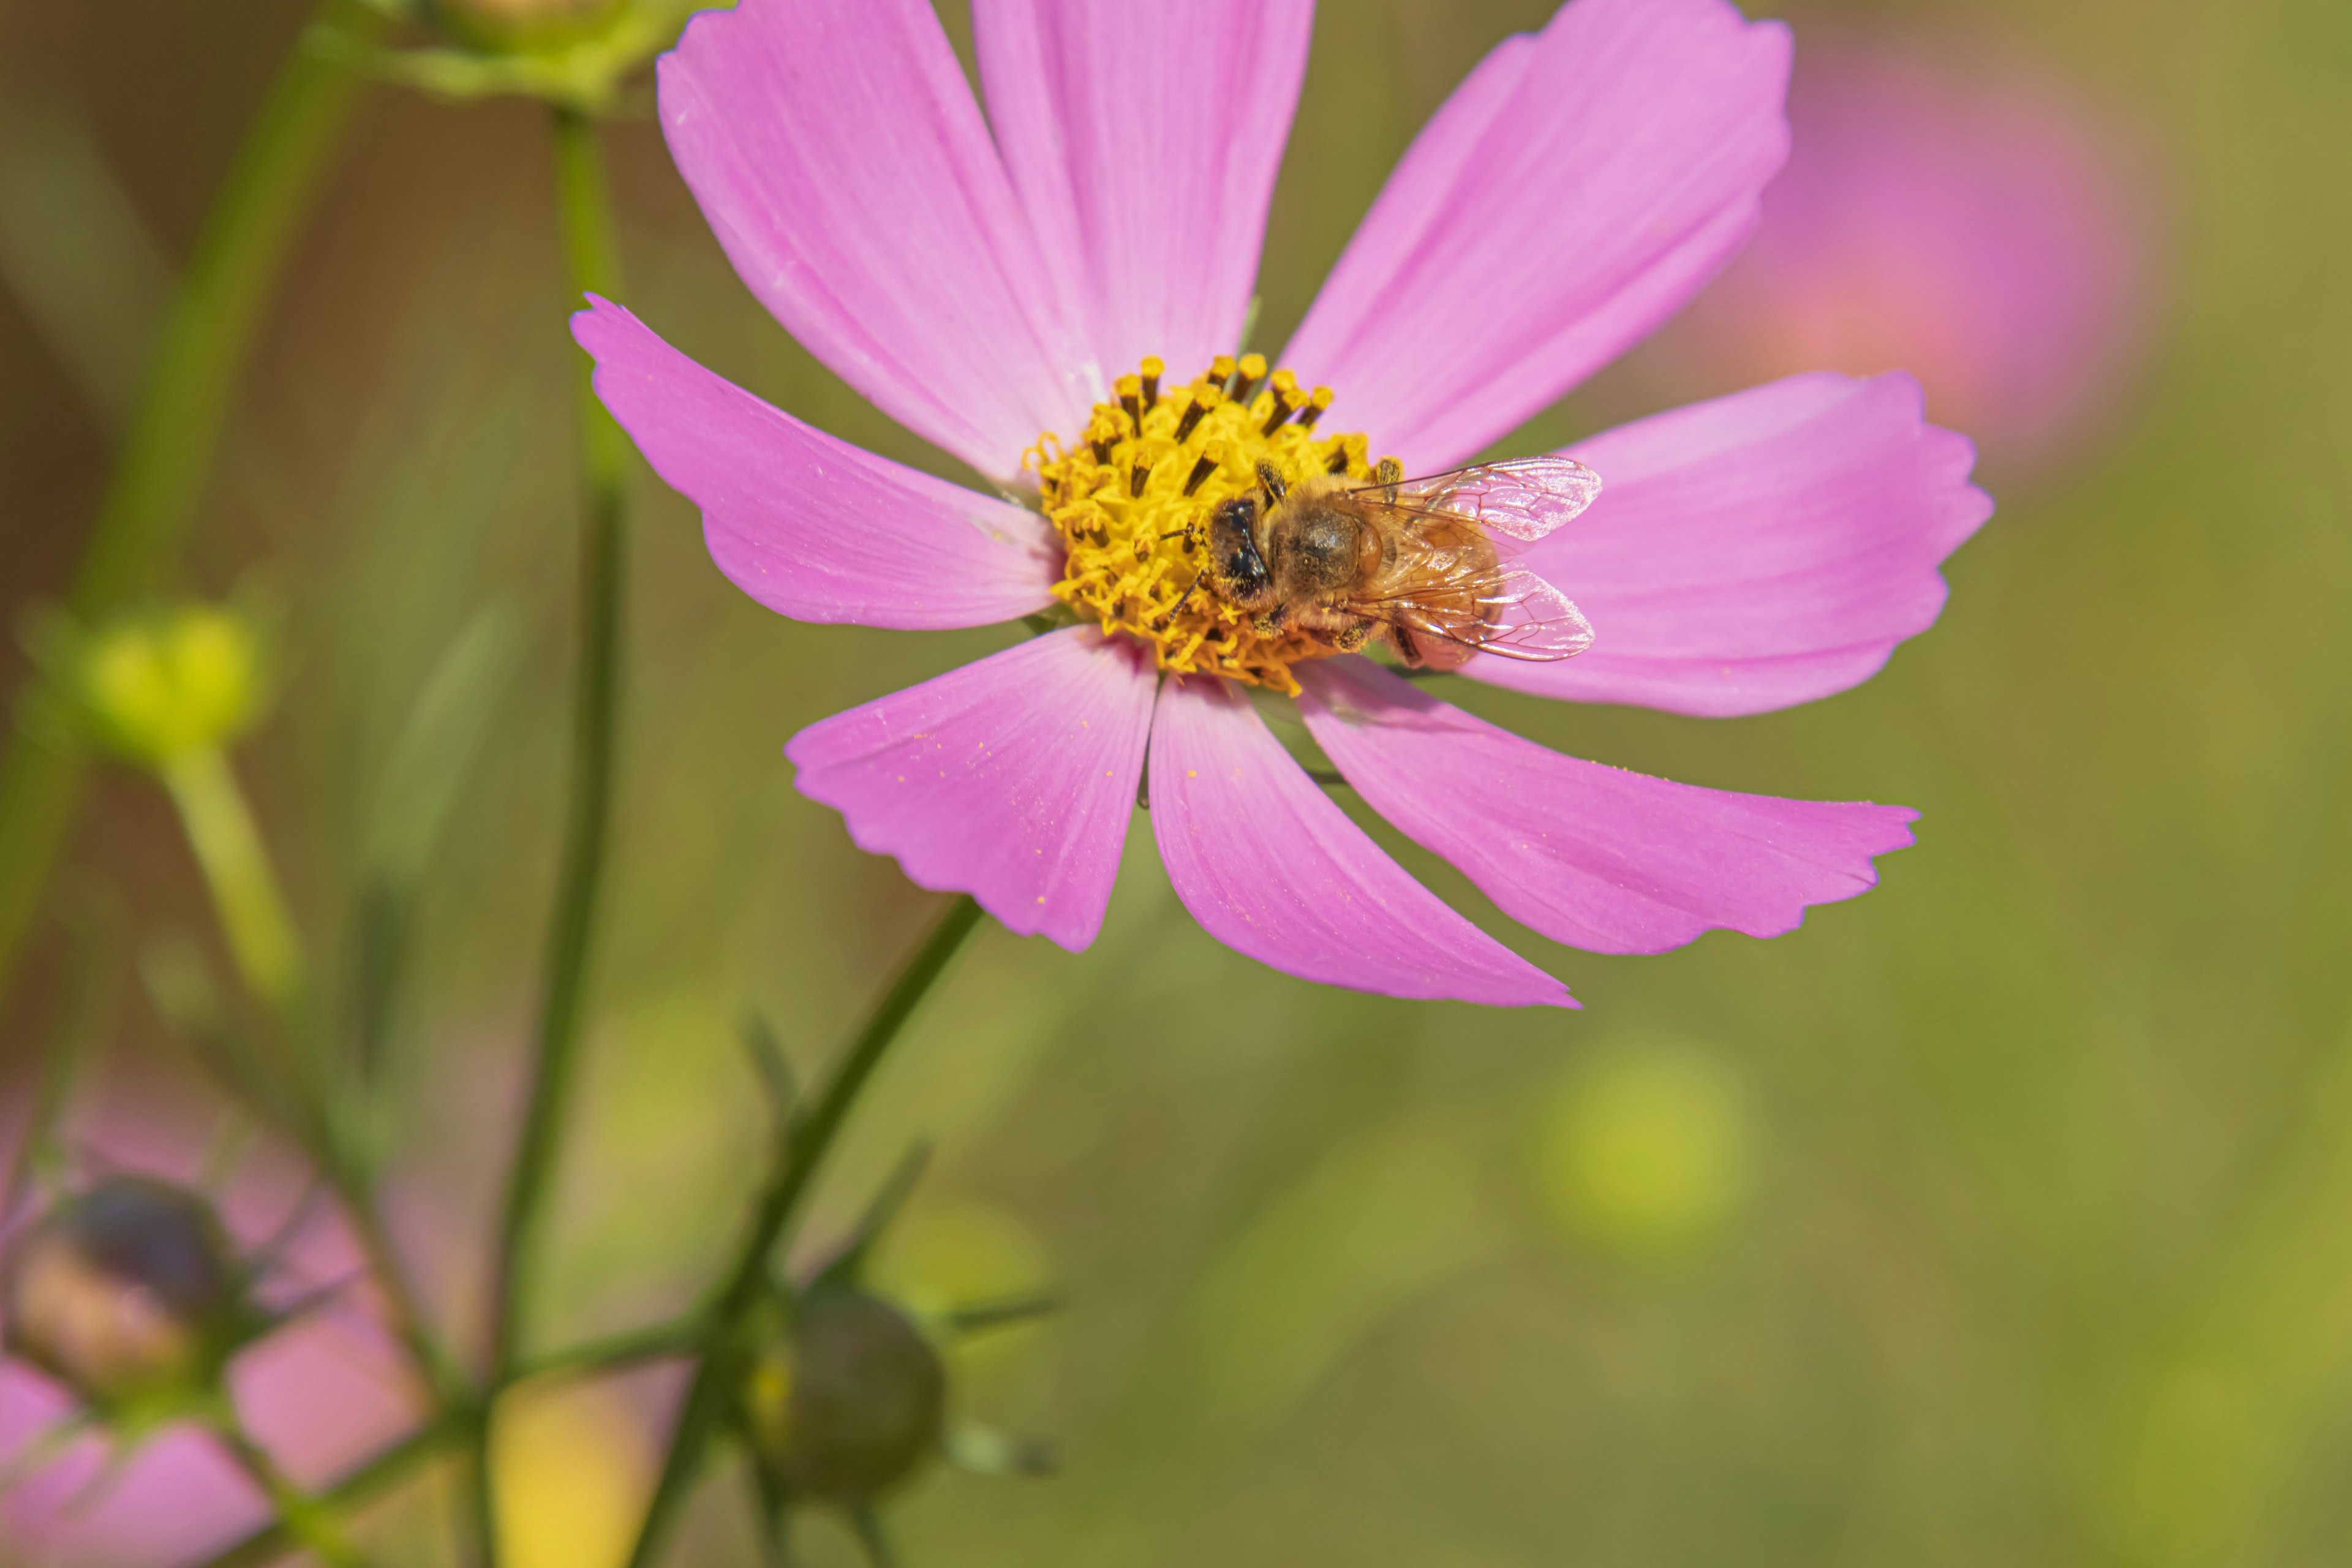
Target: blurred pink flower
[(1949, 211), (320, 1393), (1757, 551)]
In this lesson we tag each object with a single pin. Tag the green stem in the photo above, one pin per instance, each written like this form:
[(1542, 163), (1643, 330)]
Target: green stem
[(813, 1135), (591, 252), (313, 1522), (680, 1336), (159, 471), (237, 868), (236, 871), (394, 1464), (410, 1321)]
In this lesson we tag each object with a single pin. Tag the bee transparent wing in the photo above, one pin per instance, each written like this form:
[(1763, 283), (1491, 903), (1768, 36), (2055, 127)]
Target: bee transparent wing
[(1535, 622), (1518, 615), (1522, 499)]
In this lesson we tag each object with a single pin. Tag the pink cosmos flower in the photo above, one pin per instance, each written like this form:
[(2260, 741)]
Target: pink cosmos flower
[(1951, 210), (991, 282)]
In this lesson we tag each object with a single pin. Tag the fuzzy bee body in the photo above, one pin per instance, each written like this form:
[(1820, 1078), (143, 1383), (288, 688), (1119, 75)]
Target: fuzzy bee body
[(1419, 562)]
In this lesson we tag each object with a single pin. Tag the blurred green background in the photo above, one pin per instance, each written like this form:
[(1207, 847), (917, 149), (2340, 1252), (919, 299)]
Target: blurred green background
[(2002, 1216)]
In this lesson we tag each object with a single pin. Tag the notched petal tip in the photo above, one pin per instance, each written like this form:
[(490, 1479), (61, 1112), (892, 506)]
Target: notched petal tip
[(1590, 856)]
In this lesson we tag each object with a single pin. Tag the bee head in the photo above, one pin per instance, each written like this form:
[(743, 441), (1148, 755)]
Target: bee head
[(1239, 570)]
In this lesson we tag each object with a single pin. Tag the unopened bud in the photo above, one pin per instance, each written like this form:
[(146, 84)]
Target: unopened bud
[(848, 1401), (125, 1291), (159, 685)]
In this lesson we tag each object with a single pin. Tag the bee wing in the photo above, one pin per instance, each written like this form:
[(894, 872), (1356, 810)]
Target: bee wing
[(1520, 615), (1537, 622), (1521, 499)]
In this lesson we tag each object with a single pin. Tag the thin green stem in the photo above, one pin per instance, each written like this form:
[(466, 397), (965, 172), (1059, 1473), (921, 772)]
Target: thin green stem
[(630, 1347), (410, 1321), (813, 1134), (238, 873), (589, 247), (389, 1466), (244, 886), (591, 252), (82, 1022), (310, 1522), (159, 471)]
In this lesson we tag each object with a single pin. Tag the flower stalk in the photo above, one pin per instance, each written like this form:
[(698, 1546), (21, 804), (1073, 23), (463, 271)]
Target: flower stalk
[(244, 886), (593, 261), (220, 828), (591, 254), (166, 455), (810, 1138), (313, 1522)]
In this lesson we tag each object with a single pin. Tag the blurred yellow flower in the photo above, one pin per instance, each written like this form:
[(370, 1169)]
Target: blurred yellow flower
[(573, 1470), (1647, 1150)]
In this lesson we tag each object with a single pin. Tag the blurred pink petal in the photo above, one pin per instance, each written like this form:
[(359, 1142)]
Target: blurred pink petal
[(320, 1394), (1012, 779), (1143, 140), (178, 1498), (1271, 868), (1594, 857), (326, 1392), (1574, 192), (835, 148), (812, 527), (1757, 551), (1951, 211)]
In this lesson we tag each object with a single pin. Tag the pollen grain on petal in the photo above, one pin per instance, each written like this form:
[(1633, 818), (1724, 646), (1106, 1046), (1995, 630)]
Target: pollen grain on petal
[(1132, 496)]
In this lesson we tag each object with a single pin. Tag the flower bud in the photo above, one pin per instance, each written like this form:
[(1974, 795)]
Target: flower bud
[(124, 1292), (158, 685), (847, 1401)]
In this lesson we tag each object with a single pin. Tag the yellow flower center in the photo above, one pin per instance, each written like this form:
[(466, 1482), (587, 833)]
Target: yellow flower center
[(1133, 499)]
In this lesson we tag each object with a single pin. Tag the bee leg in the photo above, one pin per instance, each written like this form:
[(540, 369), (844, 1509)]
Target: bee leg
[(1270, 624), (1163, 622), (1407, 649), (1349, 638)]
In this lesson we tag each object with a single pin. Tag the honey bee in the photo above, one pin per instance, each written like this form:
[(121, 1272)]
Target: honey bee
[(1425, 563)]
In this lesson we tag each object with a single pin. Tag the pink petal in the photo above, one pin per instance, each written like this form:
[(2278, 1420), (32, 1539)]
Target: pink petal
[(836, 151), (810, 526), (1590, 856), (1010, 779), (1576, 190), (1143, 140), (1273, 869), (1757, 551)]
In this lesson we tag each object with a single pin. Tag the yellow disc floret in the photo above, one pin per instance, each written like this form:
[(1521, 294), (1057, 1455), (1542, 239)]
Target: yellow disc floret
[(1132, 498)]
